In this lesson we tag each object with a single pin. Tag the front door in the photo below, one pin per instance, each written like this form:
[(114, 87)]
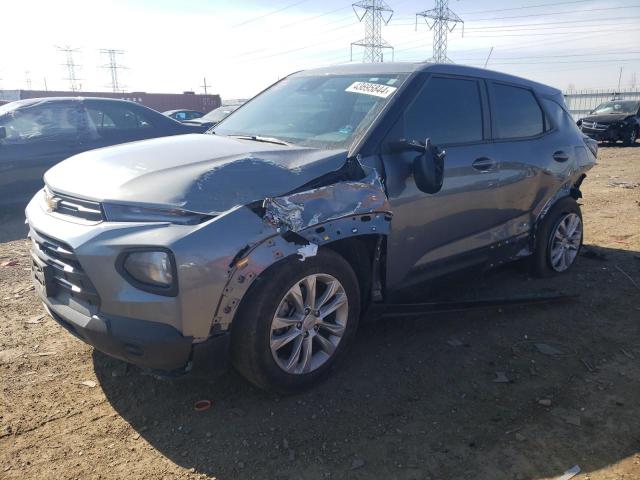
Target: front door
[(449, 227), (38, 137)]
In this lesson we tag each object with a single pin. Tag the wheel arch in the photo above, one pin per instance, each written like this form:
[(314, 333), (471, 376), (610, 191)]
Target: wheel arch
[(360, 239)]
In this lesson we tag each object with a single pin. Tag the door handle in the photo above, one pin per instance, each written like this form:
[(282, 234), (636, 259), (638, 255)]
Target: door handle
[(560, 156), (484, 164)]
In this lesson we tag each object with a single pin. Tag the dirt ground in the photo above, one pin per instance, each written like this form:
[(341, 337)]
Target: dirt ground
[(452, 396)]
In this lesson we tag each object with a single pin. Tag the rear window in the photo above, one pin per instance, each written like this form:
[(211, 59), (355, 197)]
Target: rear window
[(516, 112)]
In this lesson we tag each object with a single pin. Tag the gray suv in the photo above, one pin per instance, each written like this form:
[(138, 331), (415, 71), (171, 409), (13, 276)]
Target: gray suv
[(264, 240)]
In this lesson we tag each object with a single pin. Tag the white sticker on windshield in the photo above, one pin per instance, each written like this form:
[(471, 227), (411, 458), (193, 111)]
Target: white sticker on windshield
[(375, 89)]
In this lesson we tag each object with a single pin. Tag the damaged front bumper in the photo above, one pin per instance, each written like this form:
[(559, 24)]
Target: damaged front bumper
[(216, 262)]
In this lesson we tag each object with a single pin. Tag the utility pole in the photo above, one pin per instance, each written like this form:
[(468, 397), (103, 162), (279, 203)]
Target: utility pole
[(113, 67), (46, 89), (441, 20), (488, 57), (205, 86), (27, 79), (619, 79), (71, 66), (374, 13)]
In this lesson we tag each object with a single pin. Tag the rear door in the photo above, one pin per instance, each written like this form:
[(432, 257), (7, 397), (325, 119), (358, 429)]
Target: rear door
[(112, 123), (38, 137), (433, 229), (532, 155)]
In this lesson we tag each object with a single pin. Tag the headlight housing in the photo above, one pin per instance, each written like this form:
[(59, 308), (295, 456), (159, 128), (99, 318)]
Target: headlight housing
[(150, 269), (115, 212)]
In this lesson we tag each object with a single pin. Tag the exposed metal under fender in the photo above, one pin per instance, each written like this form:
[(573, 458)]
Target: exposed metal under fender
[(314, 217)]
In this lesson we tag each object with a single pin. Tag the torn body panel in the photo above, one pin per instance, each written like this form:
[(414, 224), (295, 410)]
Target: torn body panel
[(302, 222)]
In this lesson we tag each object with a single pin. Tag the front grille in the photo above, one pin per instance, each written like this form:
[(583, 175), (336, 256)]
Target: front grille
[(595, 125), (73, 207), (68, 274)]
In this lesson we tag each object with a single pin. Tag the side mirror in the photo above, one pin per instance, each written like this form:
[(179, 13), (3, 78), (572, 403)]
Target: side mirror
[(428, 168), (3, 133)]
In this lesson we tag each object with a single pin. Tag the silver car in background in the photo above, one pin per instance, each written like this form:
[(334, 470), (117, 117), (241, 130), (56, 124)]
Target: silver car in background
[(264, 240)]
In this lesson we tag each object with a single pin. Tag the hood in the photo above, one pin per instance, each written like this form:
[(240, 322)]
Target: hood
[(607, 118), (200, 173)]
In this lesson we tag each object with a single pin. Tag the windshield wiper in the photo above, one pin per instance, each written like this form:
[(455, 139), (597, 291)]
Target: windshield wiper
[(258, 138)]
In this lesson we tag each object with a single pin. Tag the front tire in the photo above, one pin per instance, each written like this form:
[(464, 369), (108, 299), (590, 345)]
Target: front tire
[(558, 239), (631, 137), (295, 322)]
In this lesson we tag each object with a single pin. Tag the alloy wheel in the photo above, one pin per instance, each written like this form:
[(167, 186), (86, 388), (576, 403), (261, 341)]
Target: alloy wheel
[(309, 323), (565, 242)]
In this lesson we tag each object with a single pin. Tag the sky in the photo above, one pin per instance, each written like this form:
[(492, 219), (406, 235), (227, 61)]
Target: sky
[(243, 46)]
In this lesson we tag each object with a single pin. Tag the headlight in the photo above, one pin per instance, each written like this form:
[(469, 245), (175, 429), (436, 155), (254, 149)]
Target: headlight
[(131, 213), (150, 270)]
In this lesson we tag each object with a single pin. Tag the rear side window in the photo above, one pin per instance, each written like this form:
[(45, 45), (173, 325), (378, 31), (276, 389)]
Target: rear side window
[(111, 117), (516, 112), (447, 110)]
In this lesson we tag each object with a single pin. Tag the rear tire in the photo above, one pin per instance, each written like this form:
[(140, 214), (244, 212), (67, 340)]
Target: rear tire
[(282, 338), (558, 239)]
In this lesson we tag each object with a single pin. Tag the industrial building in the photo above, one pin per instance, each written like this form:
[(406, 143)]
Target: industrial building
[(158, 101)]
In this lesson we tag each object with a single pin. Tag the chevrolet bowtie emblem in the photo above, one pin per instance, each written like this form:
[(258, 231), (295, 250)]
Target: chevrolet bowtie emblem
[(51, 201)]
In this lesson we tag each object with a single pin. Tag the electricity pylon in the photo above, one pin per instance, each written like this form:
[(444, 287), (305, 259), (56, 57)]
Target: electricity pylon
[(375, 13), (113, 67), (71, 66), (444, 20)]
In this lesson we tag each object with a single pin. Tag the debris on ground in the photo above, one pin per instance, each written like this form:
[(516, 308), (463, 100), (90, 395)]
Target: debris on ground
[(622, 184), (454, 342), (9, 263), (627, 354), (89, 383), (628, 276), (35, 320), (202, 405), (546, 349), (357, 463), (588, 365), (572, 472), (545, 402), (501, 377)]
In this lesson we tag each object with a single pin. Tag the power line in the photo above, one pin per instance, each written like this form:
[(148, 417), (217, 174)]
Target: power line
[(490, 19), (524, 7), (71, 66), (374, 13), (113, 67), (444, 21), (271, 13)]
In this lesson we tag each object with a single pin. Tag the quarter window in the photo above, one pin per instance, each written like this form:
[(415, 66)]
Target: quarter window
[(447, 111), (516, 112)]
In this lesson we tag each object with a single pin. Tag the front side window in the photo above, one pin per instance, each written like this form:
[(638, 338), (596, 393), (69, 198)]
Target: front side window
[(29, 124), (516, 112), (448, 111), (323, 111)]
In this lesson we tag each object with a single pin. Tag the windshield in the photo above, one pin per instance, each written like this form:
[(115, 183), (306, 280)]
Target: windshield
[(624, 106), (315, 111), (219, 114)]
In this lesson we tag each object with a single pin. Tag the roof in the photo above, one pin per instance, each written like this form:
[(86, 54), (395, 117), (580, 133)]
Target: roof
[(411, 67)]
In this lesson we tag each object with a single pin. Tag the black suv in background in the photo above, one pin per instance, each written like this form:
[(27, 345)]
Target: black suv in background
[(36, 134), (613, 121)]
